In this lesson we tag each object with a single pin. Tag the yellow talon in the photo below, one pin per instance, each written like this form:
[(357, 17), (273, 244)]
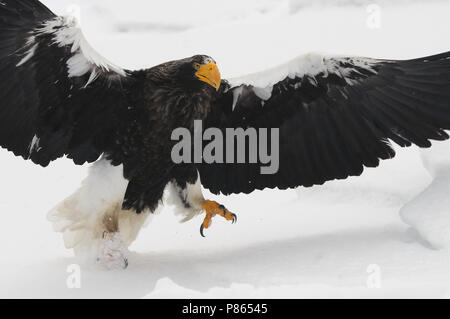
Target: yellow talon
[(212, 209)]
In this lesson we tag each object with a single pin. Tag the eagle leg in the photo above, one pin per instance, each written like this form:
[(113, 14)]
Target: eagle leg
[(112, 252), (212, 209)]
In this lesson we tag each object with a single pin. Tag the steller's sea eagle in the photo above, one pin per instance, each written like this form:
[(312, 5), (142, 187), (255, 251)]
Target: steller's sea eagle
[(334, 115)]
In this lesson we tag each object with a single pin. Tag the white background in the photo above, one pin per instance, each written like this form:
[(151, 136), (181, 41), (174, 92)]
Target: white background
[(301, 243)]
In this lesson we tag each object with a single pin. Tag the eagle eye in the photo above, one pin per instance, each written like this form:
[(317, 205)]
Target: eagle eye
[(196, 66)]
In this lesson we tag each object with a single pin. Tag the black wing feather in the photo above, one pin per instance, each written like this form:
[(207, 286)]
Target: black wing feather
[(46, 113), (335, 122)]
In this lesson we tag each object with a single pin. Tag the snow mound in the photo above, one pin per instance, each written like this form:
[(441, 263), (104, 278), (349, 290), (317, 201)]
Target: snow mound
[(429, 212), (300, 4)]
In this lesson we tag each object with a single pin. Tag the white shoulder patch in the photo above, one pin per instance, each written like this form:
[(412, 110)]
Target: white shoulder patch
[(67, 33), (307, 65)]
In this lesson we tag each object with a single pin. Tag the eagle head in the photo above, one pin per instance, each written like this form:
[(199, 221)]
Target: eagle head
[(199, 70), (206, 70)]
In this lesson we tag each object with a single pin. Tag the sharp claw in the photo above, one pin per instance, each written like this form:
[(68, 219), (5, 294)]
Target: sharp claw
[(212, 209), (126, 263), (202, 228)]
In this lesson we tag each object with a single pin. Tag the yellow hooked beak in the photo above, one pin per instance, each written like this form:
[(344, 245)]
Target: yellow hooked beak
[(209, 73)]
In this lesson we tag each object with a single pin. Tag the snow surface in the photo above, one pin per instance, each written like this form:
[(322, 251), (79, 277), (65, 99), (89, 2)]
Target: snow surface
[(429, 212), (319, 242)]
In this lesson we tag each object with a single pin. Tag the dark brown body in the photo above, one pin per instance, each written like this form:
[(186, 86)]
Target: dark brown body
[(157, 106)]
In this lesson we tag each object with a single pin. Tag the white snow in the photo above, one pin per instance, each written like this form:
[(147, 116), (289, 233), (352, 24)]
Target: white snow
[(429, 212), (317, 242)]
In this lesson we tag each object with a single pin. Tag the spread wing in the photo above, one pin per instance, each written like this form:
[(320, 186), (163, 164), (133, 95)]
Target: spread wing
[(57, 95), (335, 116)]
